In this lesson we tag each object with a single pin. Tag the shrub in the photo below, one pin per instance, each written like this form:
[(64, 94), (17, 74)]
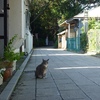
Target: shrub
[(56, 44), (83, 42)]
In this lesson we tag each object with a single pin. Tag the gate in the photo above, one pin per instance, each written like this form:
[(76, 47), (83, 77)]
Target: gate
[(73, 44)]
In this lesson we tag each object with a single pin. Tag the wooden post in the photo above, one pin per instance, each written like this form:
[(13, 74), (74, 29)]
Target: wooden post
[(5, 23)]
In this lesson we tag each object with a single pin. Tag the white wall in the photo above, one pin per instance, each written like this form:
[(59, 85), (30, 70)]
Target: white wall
[(17, 23), (64, 41), (29, 39), (15, 20)]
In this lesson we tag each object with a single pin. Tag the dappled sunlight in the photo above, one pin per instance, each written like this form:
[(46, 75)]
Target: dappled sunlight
[(58, 54), (85, 67), (72, 54), (53, 49), (35, 55), (49, 49)]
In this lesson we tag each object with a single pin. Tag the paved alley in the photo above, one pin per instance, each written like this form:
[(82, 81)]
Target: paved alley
[(70, 76)]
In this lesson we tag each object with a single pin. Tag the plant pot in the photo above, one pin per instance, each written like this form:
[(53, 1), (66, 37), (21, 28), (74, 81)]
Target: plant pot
[(1, 79), (14, 65), (7, 74)]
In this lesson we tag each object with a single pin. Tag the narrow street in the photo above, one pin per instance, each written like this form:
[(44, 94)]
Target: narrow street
[(70, 76)]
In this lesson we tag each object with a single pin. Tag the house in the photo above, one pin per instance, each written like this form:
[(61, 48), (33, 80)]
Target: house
[(74, 26), (62, 39), (14, 19)]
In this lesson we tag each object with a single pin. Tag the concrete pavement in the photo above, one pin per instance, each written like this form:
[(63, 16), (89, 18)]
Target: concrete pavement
[(70, 76)]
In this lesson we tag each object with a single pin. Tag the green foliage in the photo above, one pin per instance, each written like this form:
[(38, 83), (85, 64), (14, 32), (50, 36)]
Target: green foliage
[(93, 34), (56, 44), (88, 41), (36, 42), (93, 24), (47, 14), (97, 25), (92, 40), (39, 42), (83, 42), (9, 53)]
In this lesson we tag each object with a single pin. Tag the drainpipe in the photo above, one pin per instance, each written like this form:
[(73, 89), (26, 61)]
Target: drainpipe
[(86, 20), (79, 31)]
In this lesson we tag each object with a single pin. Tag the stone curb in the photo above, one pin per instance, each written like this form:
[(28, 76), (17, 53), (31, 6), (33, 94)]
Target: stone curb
[(6, 93)]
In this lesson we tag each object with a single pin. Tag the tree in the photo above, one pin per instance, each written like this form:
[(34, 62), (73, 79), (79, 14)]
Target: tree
[(47, 14)]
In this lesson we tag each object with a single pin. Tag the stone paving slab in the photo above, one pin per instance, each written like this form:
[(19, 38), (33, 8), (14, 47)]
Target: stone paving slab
[(25, 88), (23, 97), (67, 87), (46, 85), (49, 98), (73, 94), (47, 92)]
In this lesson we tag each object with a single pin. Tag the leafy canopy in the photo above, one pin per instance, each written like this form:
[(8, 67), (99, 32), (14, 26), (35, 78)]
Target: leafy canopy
[(47, 14)]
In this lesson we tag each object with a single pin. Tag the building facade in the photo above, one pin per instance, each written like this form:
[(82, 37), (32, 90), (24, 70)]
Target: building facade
[(74, 27), (15, 19)]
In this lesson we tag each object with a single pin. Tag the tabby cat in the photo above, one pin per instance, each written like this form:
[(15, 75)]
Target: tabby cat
[(41, 69)]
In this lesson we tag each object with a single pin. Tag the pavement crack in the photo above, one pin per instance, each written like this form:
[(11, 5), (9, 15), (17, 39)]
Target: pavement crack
[(56, 86), (35, 89)]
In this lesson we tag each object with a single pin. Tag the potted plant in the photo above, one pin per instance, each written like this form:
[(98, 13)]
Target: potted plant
[(10, 56)]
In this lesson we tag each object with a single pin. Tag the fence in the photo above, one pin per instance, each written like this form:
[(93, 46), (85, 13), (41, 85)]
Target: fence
[(73, 44)]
